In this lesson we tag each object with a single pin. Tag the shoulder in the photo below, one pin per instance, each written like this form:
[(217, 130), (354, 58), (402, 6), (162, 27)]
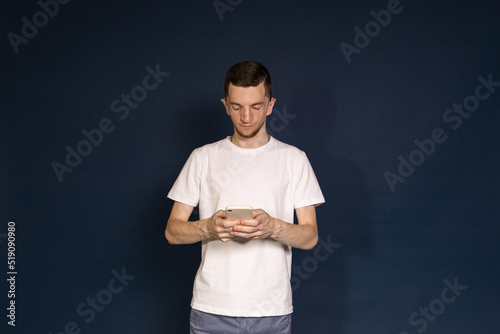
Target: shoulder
[(211, 147), (203, 154), (288, 149)]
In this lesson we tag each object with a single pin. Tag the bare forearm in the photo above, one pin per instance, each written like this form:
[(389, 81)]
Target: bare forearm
[(303, 236), (183, 232)]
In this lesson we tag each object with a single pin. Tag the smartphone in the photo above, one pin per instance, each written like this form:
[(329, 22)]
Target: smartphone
[(239, 212)]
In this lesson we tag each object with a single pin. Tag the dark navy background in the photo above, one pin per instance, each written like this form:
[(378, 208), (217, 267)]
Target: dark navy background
[(353, 119)]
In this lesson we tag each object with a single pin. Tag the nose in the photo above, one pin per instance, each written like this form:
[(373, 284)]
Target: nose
[(246, 115)]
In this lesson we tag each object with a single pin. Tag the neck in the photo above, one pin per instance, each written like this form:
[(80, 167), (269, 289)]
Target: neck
[(253, 142)]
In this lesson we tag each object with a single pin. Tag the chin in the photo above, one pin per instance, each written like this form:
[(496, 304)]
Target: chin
[(247, 135)]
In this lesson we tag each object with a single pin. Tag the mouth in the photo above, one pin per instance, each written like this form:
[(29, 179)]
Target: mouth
[(246, 126)]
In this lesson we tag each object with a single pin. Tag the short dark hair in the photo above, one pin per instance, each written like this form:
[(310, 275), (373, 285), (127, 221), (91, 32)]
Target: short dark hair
[(248, 73)]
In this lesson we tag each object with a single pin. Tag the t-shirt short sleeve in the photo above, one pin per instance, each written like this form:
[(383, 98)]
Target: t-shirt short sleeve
[(186, 188), (307, 189)]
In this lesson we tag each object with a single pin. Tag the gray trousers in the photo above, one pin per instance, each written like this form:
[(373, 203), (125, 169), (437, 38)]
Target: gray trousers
[(207, 323)]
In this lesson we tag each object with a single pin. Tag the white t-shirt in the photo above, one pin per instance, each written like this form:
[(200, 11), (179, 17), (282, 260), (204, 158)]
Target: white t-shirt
[(242, 277)]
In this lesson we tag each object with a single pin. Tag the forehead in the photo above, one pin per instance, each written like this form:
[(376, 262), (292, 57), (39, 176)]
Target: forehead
[(246, 95)]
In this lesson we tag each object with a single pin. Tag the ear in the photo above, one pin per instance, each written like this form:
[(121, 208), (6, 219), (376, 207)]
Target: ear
[(270, 106), (225, 106)]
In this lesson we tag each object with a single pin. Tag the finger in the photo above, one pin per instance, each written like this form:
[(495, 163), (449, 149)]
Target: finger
[(257, 212), (230, 223), (250, 222), (225, 237), (221, 222), (241, 235), (221, 213), (221, 229), (244, 229), (253, 235)]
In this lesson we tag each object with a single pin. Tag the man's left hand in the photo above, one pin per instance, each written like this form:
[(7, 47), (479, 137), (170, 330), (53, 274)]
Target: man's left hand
[(260, 227)]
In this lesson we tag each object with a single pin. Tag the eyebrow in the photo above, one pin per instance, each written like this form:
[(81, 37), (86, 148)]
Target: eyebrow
[(255, 104)]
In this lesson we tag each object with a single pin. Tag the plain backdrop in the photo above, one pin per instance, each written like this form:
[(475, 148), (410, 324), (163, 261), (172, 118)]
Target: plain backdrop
[(356, 103)]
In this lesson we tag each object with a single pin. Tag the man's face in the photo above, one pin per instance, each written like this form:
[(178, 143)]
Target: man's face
[(248, 108)]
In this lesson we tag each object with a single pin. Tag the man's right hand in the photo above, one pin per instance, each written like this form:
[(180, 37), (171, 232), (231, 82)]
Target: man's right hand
[(220, 228), (181, 231)]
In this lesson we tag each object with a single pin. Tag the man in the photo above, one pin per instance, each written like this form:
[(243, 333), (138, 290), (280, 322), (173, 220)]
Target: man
[(243, 282)]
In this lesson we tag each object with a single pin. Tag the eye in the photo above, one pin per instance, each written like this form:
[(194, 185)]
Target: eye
[(236, 108), (257, 107)]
